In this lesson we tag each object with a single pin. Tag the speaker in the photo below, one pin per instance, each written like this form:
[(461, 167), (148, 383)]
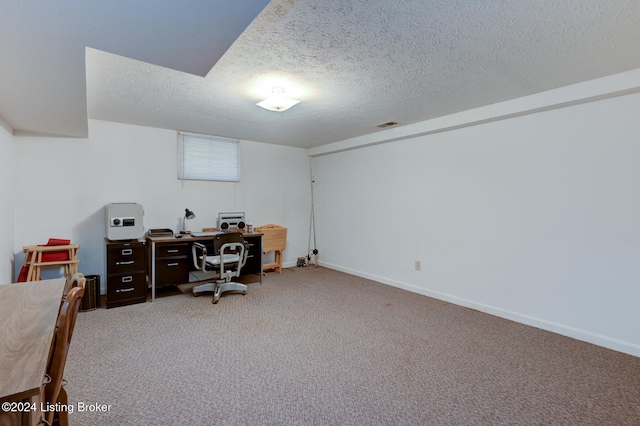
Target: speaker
[(231, 221)]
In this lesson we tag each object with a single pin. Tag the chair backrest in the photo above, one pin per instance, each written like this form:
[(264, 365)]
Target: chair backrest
[(62, 338), (222, 239), (233, 243), (78, 280)]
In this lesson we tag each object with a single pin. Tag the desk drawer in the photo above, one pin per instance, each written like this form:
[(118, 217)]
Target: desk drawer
[(126, 289), (123, 258), (170, 271), (172, 250)]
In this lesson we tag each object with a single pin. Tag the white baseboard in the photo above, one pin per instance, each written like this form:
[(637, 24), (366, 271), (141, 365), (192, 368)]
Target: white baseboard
[(583, 335), (289, 264)]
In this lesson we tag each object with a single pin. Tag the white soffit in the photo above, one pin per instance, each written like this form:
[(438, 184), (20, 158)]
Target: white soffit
[(354, 65), (42, 46)]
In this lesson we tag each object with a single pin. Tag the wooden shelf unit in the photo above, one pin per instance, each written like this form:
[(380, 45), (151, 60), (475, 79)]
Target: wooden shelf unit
[(33, 260), (274, 240)]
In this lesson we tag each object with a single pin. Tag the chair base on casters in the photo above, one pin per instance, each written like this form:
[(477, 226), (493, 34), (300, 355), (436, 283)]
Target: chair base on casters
[(218, 288)]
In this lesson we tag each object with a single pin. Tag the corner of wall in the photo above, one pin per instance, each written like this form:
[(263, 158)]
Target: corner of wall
[(7, 215)]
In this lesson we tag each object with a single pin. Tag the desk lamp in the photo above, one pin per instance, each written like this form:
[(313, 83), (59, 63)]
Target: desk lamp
[(188, 214)]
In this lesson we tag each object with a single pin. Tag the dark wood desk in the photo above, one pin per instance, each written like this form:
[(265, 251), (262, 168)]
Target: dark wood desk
[(28, 315), (169, 259)]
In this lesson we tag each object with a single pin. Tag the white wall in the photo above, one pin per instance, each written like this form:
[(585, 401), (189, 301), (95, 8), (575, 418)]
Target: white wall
[(6, 206), (62, 186), (534, 218)]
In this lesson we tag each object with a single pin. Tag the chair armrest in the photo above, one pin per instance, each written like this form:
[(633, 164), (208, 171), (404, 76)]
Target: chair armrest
[(246, 254), (199, 252)]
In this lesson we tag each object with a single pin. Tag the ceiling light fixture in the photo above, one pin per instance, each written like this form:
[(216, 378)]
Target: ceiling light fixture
[(277, 101)]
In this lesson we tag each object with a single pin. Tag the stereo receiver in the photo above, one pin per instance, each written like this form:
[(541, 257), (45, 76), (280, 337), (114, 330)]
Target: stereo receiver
[(231, 221)]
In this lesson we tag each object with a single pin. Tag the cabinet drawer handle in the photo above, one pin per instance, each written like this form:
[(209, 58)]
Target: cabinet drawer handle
[(129, 262), (127, 252), (125, 290), (127, 279), (172, 251), (173, 264)]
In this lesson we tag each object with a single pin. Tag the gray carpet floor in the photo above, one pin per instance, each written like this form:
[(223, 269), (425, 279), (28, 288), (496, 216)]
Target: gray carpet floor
[(314, 346)]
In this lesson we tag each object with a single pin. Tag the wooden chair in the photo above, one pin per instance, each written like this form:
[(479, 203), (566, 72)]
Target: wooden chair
[(54, 392), (77, 280)]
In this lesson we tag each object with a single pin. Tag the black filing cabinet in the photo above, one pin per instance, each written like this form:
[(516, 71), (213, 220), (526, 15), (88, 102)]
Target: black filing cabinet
[(126, 273)]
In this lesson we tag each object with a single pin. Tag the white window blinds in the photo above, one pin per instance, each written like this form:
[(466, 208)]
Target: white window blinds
[(203, 157)]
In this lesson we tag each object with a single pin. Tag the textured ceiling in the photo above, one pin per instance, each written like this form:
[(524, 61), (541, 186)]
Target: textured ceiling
[(353, 64)]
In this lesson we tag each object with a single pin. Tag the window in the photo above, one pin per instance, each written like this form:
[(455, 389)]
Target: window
[(204, 157)]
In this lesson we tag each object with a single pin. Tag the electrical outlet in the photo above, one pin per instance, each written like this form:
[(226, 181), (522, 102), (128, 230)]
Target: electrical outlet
[(418, 265)]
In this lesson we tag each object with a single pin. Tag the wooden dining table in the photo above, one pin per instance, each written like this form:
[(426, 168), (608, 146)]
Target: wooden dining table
[(28, 315)]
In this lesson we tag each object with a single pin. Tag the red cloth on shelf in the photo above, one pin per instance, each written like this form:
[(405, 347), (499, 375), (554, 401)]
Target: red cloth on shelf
[(56, 256), (23, 274)]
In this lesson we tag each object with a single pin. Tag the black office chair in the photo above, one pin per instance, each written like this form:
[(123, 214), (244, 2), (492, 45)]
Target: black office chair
[(228, 257)]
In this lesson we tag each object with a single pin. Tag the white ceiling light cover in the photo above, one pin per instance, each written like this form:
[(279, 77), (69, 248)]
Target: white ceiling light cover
[(277, 101)]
